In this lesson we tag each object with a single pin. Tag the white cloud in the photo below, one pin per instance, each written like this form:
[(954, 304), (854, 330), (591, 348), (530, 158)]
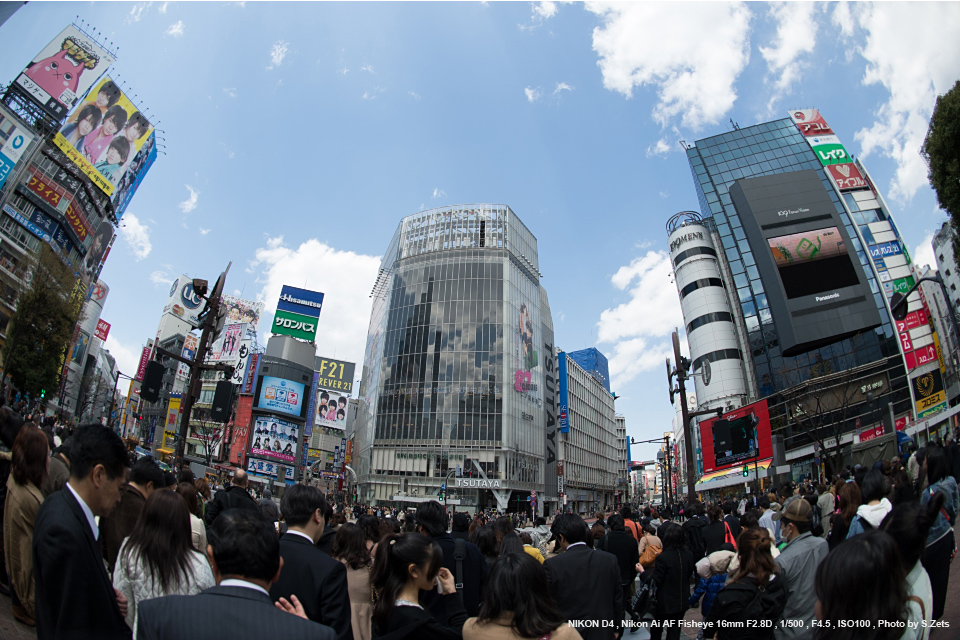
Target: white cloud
[(367, 67), (659, 148), (912, 50), (562, 86), (414, 95), (344, 71), (639, 337), (190, 203), (128, 359), (136, 12), (540, 12), (137, 236), (796, 35), (160, 277), (532, 94), (278, 53), (692, 58), (204, 232), (664, 195), (923, 254), (842, 17), (373, 94), (439, 193), (230, 92), (163, 7), (176, 30), (344, 277)]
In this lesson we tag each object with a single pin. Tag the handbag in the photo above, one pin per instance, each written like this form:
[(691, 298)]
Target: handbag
[(650, 554), (644, 602), (728, 535)]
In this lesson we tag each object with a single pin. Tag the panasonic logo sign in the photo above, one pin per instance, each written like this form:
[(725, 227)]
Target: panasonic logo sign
[(287, 323), (829, 297), (790, 212)]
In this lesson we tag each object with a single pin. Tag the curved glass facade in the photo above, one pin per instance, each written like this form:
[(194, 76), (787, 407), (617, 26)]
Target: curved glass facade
[(454, 370)]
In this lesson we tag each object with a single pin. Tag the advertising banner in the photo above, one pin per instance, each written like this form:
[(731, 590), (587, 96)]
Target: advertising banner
[(243, 359), (189, 351), (80, 347), (37, 231), (929, 393), (243, 311), (902, 285), (563, 409), (17, 141), (729, 445), (131, 180), (267, 468), (144, 359), (847, 176), (105, 132), (810, 122), (277, 394), (251, 373), (173, 414), (64, 70), (295, 324), (885, 249), (829, 150), (331, 409), (336, 375), (183, 302), (227, 347), (275, 438), (302, 301), (103, 330)]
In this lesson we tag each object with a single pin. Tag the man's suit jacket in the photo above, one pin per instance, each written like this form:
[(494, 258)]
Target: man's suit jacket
[(233, 498), (586, 586), (238, 613), (319, 581), (75, 598)]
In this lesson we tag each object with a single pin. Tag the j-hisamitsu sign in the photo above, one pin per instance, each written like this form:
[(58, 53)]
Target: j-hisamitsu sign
[(476, 483)]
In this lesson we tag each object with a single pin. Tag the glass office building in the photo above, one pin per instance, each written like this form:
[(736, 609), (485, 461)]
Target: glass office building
[(762, 150), (457, 384)]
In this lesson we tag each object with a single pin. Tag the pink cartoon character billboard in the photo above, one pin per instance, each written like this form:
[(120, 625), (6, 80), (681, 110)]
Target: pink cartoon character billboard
[(64, 70)]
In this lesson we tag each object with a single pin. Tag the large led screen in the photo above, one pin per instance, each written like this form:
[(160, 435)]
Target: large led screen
[(729, 442), (281, 395), (812, 262)]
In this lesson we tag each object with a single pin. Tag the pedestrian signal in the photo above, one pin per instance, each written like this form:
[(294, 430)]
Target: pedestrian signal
[(746, 471)]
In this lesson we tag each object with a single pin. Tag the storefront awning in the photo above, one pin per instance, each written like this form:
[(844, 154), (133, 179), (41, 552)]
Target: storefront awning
[(165, 451), (732, 476)]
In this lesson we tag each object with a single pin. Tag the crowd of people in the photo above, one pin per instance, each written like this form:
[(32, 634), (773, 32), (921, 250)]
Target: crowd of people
[(118, 548)]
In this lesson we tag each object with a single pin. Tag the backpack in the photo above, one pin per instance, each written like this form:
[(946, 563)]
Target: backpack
[(459, 553), (816, 523)]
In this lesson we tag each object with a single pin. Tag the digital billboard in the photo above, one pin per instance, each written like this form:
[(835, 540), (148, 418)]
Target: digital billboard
[(334, 386), (730, 441), (104, 134), (812, 261), (280, 395), (275, 439), (16, 140), (64, 70)]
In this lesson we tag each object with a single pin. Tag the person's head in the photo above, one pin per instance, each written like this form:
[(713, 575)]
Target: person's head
[(461, 521), (671, 535), (186, 475), (937, 463), (98, 463), (754, 546), (728, 507), (108, 95), (162, 539), (118, 151), (862, 579), (351, 546), (114, 119), (764, 503), (714, 513), (408, 558), (188, 492), (324, 397), (485, 537), (616, 522), (30, 458), (304, 508), (137, 125), (240, 478), (147, 476), (908, 524), (511, 543), (597, 531), (432, 518), (517, 586), (342, 402), (503, 525), (849, 501), (203, 488), (567, 529), (267, 494), (874, 486), (169, 481), (526, 538), (625, 512), (88, 119), (370, 525), (243, 544), (795, 518)]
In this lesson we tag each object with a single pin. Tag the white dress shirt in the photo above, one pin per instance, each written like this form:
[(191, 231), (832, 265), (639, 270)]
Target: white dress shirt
[(233, 582), (87, 512)]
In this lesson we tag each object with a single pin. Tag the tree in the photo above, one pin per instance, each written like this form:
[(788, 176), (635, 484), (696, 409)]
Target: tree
[(941, 149), (209, 433), (42, 327)]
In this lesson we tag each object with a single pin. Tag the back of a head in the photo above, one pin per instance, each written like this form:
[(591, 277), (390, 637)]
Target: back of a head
[(571, 526), (616, 522), (511, 543), (203, 488), (395, 554), (30, 456), (728, 507), (245, 545), (485, 537), (300, 502), (625, 512), (938, 464), (461, 521), (540, 521), (849, 501), (350, 545), (750, 519), (714, 513), (162, 537), (908, 524), (432, 517), (671, 535), (517, 585), (753, 545), (370, 525), (598, 531), (146, 470), (240, 478), (188, 492), (267, 494), (763, 502), (93, 445), (186, 475), (504, 525), (874, 487)]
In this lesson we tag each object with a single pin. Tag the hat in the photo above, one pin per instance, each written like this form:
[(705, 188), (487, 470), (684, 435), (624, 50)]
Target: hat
[(796, 509)]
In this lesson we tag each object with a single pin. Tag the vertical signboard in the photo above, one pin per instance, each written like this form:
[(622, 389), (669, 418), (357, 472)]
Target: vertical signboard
[(551, 390), (564, 398), (173, 414), (334, 386), (297, 313), (144, 359), (929, 394)]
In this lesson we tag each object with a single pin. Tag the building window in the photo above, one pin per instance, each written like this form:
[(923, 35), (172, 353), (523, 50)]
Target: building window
[(720, 316)]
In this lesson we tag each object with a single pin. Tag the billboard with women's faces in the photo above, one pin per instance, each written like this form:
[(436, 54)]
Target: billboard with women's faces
[(63, 71), (104, 134)]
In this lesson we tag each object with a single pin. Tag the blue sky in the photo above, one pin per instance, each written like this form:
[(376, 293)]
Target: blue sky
[(298, 134)]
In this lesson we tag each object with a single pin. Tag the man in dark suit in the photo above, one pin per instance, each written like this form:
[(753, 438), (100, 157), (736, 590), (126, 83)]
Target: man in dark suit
[(145, 477), (432, 522), (244, 553), (585, 583), (236, 497), (75, 598), (319, 581)]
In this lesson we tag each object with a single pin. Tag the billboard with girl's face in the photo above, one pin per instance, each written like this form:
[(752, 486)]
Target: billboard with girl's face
[(104, 134), (275, 439), (331, 409)]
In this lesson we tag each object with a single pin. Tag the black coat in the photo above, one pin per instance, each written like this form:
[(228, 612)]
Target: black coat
[(238, 613), (693, 533), (325, 543), (319, 581), (741, 601), (624, 546), (585, 585), (474, 572), (713, 535), (671, 573), (418, 624), (74, 594), (233, 498)]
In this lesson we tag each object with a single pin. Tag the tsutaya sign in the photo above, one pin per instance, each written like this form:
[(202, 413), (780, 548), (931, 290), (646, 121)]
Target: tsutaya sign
[(476, 483)]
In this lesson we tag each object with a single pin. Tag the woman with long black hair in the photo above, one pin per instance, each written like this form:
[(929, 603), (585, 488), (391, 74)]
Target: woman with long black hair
[(352, 547), (517, 604), (940, 538), (158, 558), (671, 575), (405, 565)]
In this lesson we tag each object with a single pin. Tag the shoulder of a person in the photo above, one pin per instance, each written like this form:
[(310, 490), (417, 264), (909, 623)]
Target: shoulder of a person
[(565, 632)]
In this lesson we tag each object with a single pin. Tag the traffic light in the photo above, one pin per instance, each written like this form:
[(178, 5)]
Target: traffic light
[(43, 393), (440, 496), (746, 471)]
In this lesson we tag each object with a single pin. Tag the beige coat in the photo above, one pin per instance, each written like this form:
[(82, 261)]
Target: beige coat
[(501, 630), (19, 514), (361, 602)]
